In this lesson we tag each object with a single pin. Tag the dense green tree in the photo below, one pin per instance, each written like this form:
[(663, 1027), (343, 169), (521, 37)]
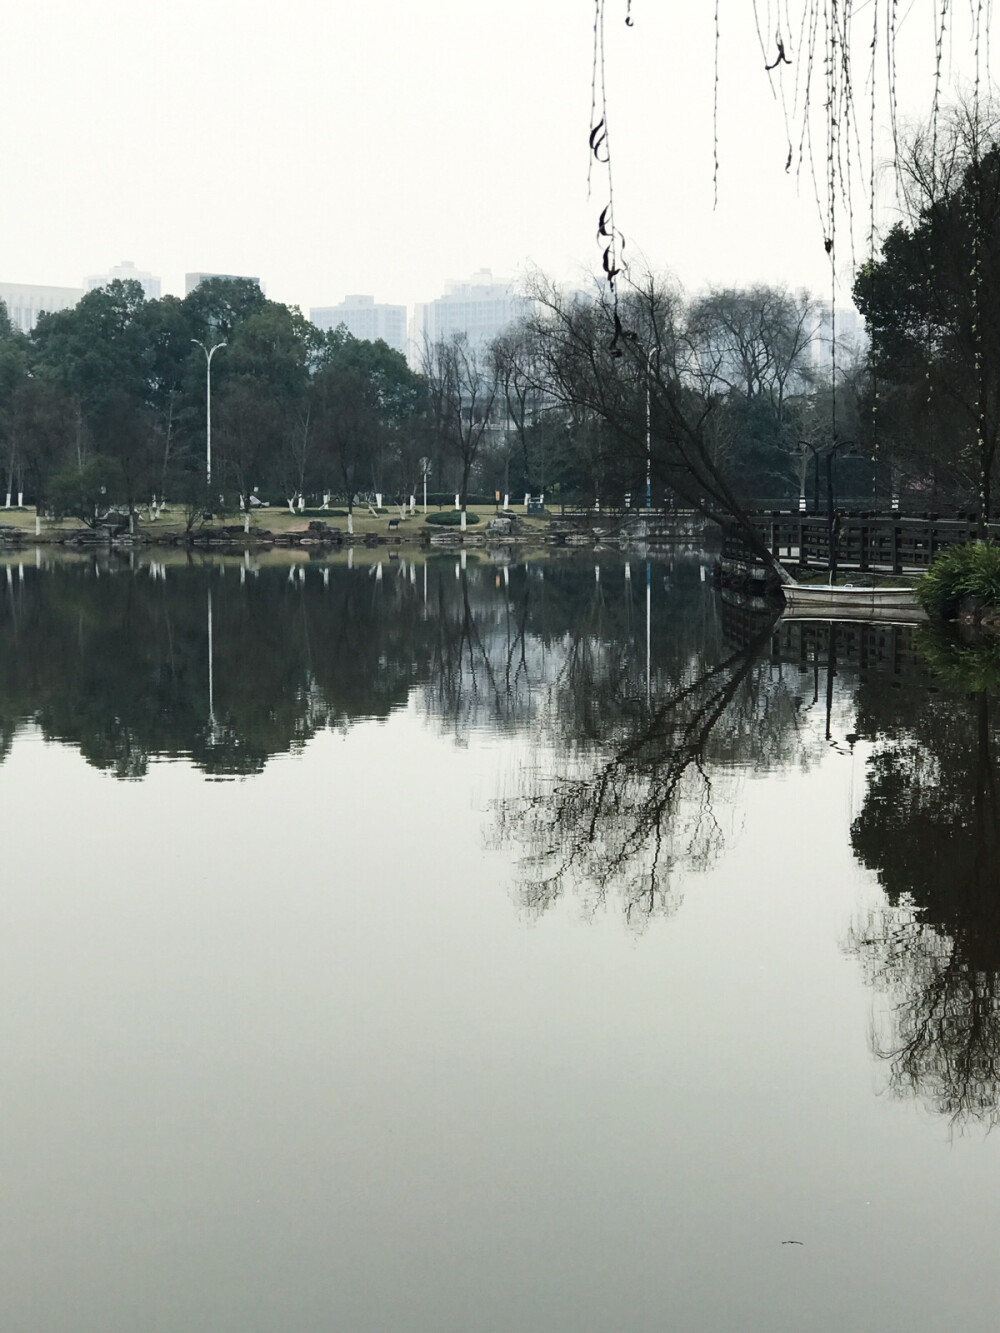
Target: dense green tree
[(14, 374), (931, 303), (219, 306), (262, 385), (96, 353)]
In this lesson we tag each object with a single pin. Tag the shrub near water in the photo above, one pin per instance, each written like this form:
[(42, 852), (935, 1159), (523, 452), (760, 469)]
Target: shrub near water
[(961, 571)]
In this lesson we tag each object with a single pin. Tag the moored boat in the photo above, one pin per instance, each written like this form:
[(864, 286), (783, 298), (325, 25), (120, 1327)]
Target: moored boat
[(830, 601)]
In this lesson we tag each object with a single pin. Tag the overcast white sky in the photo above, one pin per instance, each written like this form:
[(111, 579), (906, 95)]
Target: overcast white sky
[(383, 146)]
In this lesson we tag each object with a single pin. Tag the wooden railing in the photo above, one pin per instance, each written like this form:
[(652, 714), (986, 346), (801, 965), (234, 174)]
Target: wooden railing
[(884, 543)]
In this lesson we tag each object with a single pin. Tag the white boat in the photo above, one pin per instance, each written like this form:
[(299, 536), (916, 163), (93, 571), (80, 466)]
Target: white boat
[(842, 599)]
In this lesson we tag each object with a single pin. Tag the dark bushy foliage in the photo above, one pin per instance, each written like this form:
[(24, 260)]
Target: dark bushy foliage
[(452, 518), (971, 571)]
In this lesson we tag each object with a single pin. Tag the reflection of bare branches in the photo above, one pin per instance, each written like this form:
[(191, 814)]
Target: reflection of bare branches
[(479, 666), (944, 1047), (639, 801)]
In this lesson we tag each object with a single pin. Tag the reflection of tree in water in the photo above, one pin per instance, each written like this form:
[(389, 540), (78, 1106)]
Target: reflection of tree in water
[(118, 663), (930, 828), (122, 664), (637, 795), (479, 672)]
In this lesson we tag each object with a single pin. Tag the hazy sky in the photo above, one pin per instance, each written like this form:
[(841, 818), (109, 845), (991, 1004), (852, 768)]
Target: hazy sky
[(383, 146)]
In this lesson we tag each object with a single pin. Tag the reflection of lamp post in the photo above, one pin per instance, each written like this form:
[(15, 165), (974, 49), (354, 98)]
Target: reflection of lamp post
[(648, 623), (209, 353), (211, 674)]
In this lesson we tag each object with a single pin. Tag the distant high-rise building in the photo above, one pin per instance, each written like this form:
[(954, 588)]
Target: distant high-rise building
[(126, 271), (480, 308), (363, 318), (193, 280), (25, 301), (851, 338)]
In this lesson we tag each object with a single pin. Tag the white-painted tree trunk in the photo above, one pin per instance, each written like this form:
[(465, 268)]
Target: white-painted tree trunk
[(506, 502), (7, 505), (463, 520), (378, 499), (413, 504), (350, 524), (246, 521), (20, 500), (457, 505)]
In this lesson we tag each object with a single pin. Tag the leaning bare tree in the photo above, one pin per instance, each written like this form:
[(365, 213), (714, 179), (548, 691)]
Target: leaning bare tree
[(627, 363)]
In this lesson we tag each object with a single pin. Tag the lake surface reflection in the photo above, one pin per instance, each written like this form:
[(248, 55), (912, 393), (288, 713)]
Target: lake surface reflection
[(565, 943)]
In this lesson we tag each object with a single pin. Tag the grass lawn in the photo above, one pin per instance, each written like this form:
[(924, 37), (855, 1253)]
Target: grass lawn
[(278, 520)]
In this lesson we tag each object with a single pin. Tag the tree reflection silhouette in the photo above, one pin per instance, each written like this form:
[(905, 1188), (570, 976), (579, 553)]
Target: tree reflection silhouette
[(638, 796), (226, 670), (116, 662), (930, 828)]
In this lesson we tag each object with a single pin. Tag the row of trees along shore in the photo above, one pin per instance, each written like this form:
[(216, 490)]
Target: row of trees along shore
[(103, 405)]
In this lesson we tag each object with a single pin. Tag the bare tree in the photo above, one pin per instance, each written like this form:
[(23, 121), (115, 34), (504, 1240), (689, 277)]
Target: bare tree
[(753, 341), (629, 367), (512, 355), (462, 385)]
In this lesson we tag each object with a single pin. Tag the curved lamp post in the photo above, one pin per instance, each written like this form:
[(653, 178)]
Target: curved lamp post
[(209, 353), (649, 439)]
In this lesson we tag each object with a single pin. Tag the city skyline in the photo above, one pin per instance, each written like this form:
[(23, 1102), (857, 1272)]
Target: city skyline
[(385, 148)]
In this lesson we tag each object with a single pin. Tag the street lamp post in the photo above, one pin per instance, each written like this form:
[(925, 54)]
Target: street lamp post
[(832, 518), (649, 438), (209, 353), (425, 467), (804, 444)]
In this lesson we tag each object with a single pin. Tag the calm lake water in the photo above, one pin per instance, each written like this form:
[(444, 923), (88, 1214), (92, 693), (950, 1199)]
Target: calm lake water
[(449, 946)]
